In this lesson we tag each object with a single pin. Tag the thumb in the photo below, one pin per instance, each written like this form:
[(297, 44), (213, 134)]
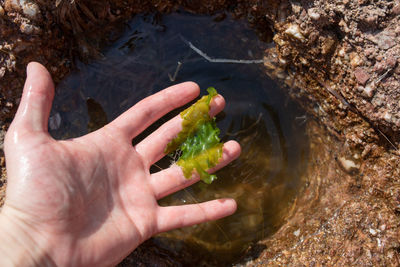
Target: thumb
[(37, 97)]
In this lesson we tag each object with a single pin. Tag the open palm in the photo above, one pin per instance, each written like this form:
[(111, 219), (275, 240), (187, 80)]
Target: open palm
[(92, 200)]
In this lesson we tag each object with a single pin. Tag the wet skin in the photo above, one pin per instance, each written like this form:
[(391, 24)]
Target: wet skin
[(90, 201)]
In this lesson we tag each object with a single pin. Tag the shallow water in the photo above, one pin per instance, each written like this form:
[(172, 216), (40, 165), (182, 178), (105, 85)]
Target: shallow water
[(264, 180)]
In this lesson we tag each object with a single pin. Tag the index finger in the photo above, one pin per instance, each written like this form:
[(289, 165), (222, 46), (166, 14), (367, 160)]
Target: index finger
[(135, 120), (152, 148)]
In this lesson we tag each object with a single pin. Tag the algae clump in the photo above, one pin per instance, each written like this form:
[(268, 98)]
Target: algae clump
[(198, 141)]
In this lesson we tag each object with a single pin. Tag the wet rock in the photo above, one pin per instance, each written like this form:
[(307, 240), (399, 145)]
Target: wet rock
[(2, 72), (29, 8), (348, 165), (361, 75), (21, 46), (28, 28)]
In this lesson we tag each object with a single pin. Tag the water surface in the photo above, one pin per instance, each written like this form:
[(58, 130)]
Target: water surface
[(264, 180)]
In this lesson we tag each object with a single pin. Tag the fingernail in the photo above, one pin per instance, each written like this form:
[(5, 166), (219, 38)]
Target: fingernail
[(28, 68), (217, 105)]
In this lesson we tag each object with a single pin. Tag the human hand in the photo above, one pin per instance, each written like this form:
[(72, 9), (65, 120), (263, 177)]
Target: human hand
[(92, 200)]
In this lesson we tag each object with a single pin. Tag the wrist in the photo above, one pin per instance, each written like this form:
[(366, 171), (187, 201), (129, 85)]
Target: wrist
[(18, 246)]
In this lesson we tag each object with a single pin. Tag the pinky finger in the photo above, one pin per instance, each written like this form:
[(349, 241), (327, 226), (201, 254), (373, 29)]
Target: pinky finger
[(172, 217)]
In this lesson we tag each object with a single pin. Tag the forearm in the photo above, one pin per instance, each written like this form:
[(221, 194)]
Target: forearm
[(17, 247)]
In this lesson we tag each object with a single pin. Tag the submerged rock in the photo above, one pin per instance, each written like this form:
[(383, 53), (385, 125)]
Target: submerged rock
[(27, 7)]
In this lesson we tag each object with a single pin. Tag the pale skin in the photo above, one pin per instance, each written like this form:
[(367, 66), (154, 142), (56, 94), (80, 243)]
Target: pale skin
[(90, 201)]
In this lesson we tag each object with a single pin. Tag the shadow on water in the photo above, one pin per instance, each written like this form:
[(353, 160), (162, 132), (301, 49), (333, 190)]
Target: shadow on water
[(264, 180)]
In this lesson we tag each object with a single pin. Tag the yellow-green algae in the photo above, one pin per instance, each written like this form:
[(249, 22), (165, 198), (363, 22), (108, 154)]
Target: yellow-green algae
[(198, 140)]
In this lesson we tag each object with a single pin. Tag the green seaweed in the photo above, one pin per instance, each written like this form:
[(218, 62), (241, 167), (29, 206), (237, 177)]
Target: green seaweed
[(198, 140)]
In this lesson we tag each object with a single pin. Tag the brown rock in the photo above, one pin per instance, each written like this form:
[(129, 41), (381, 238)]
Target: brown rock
[(396, 9), (328, 45), (397, 70), (391, 61), (371, 19), (361, 75), (385, 41), (379, 67)]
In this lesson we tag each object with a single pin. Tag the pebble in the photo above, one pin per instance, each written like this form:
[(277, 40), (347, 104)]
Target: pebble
[(372, 231), (2, 12), (294, 31), (344, 26), (342, 52), (369, 90), (379, 67), (370, 51), (313, 13), (297, 232), (348, 165), (355, 59), (296, 8), (27, 28), (387, 116), (28, 7), (2, 72), (371, 20), (361, 75), (396, 9)]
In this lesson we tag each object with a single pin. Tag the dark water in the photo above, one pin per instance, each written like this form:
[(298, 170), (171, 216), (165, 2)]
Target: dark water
[(264, 180)]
